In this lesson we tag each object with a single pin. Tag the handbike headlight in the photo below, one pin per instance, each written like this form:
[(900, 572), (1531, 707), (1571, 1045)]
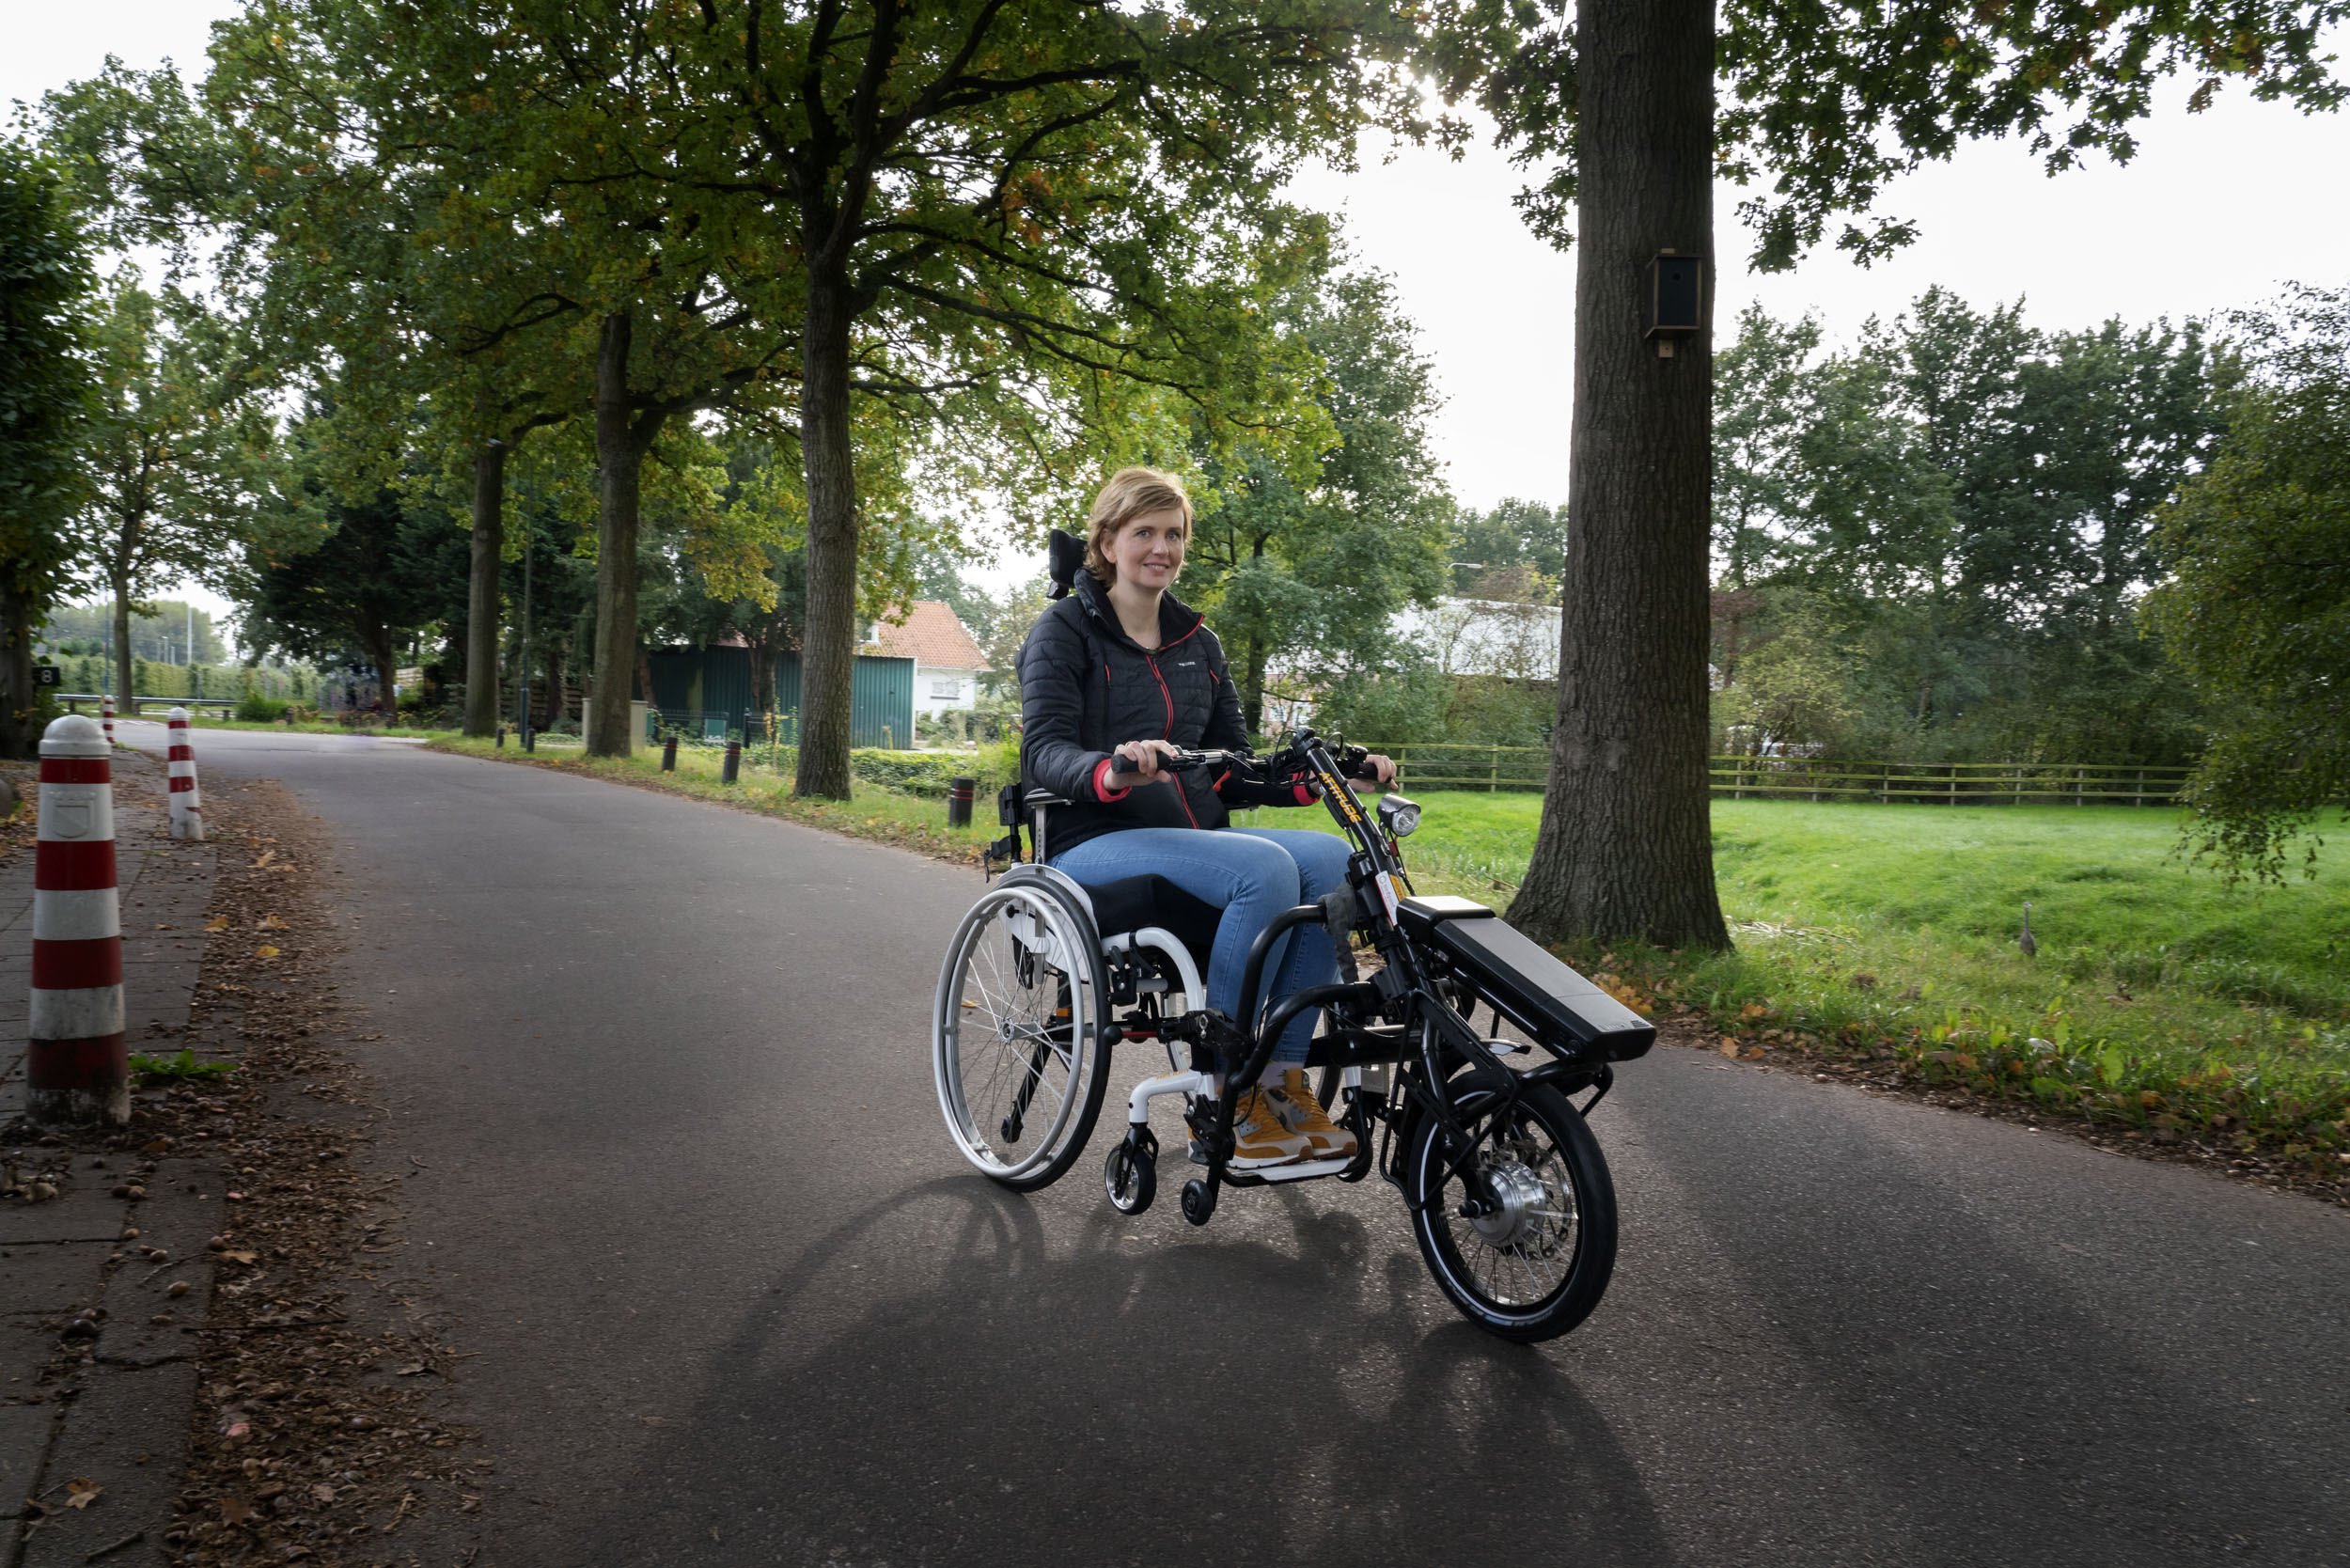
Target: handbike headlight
[(1398, 816)]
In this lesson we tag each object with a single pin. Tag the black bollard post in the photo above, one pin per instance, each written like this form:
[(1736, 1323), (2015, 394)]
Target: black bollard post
[(501, 737), (735, 762), (669, 754), (530, 738), (959, 794)]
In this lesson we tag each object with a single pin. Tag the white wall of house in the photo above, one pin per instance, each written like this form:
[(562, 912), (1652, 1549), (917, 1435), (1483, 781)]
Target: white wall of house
[(938, 690)]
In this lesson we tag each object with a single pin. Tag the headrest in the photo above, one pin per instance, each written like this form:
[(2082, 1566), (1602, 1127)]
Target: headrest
[(1064, 557)]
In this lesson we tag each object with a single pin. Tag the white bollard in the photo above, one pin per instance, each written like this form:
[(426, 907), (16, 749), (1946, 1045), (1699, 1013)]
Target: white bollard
[(107, 710), (187, 804), (77, 1067)]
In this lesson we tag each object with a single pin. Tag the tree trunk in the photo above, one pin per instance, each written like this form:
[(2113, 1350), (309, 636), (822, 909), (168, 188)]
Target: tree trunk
[(761, 647), (621, 443), (1253, 694), (379, 649), (125, 670), (1624, 848), (828, 651), (20, 702), (481, 604)]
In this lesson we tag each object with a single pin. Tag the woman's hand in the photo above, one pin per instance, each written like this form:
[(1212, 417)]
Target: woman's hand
[(1377, 769), (1139, 762)]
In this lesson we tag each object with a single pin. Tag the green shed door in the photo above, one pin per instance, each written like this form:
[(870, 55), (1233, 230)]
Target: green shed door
[(881, 710)]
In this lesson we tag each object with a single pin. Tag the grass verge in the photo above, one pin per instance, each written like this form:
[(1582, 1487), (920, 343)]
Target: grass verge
[(2163, 1003), (315, 727)]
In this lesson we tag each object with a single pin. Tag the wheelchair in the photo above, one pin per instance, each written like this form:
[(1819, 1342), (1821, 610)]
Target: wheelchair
[(1507, 1193)]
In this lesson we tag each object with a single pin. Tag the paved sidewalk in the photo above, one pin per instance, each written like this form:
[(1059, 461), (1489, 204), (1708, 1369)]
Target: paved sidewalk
[(98, 1365)]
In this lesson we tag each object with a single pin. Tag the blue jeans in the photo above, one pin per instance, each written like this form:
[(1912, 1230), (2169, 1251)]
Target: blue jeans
[(1252, 875)]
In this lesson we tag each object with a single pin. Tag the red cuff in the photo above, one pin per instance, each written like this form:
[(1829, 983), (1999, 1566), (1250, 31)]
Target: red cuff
[(1102, 782), (1304, 794)]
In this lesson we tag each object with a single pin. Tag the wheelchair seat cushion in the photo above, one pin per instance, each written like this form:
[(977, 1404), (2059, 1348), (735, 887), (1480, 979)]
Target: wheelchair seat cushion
[(1132, 902)]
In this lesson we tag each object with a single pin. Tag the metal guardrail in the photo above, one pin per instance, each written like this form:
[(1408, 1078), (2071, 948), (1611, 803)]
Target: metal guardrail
[(126, 706)]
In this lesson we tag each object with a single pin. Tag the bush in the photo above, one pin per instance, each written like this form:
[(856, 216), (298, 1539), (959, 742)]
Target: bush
[(927, 773), (255, 709)]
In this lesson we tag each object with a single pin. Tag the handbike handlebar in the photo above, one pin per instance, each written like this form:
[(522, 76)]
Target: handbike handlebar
[(1351, 760)]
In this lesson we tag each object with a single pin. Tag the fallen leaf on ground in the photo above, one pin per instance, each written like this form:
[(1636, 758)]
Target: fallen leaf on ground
[(265, 950), (81, 1494), (218, 922), (241, 1257), (235, 1510), (1729, 1046), (267, 856), (270, 922)]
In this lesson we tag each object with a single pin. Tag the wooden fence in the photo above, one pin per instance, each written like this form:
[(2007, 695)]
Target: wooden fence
[(1513, 767)]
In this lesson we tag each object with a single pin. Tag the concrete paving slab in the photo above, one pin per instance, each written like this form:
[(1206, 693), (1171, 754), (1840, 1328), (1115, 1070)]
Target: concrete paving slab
[(127, 1432), (85, 1210), (53, 1277), (24, 1431)]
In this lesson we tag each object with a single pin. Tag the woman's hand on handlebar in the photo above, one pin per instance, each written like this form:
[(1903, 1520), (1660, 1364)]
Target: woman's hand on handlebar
[(1376, 769), (1142, 762)]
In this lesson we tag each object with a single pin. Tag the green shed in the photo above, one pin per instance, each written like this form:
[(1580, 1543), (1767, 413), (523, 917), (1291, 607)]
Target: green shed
[(706, 692)]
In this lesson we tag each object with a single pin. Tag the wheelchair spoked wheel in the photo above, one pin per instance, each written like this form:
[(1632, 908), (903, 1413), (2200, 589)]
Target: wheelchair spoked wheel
[(1524, 1239), (1016, 1043)]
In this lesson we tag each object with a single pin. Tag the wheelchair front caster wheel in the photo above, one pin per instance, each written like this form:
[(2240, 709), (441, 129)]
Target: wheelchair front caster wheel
[(1131, 1177), (1199, 1203)]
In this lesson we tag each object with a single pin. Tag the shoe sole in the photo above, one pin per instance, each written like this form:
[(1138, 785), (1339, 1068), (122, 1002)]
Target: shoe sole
[(1313, 1149)]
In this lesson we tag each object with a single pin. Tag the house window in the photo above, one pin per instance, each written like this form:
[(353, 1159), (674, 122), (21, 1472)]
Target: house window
[(945, 686)]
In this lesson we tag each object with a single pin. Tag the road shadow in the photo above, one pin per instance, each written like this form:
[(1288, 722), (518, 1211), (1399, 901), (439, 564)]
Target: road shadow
[(1132, 1398)]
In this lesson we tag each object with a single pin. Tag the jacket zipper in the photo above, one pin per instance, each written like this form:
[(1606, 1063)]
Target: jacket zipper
[(1181, 797)]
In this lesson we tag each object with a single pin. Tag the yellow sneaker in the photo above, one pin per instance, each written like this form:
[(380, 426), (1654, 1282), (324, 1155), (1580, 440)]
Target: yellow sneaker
[(1259, 1138), (1302, 1114)]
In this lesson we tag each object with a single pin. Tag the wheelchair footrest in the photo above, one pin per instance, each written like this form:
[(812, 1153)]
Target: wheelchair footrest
[(1303, 1171)]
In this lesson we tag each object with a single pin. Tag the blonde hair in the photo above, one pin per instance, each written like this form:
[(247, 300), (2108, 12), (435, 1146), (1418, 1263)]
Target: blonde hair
[(1131, 494)]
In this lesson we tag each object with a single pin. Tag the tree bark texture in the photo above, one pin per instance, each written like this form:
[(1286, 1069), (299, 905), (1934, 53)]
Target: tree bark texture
[(380, 651), (126, 667), (829, 655), (481, 602), (20, 703), (1625, 849), (621, 443)]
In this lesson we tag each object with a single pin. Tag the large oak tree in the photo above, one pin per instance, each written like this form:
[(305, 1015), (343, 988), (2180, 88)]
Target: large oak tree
[(1629, 109)]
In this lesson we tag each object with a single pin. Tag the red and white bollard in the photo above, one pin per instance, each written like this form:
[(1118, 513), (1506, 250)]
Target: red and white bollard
[(77, 1068), (106, 712), (187, 804)]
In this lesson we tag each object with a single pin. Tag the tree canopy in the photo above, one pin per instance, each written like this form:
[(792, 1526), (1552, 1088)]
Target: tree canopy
[(45, 404), (2258, 604)]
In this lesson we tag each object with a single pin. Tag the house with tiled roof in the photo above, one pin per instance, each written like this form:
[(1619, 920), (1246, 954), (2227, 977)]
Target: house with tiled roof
[(948, 663)]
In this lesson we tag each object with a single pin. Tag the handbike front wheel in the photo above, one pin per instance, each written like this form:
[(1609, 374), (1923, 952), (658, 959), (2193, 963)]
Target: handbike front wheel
[(1016, 1045), (1523, 1237)]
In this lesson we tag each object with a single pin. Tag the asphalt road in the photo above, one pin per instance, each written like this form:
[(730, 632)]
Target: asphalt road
[(730, 1297)]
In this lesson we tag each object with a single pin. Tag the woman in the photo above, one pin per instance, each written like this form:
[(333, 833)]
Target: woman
[(1113, 677)]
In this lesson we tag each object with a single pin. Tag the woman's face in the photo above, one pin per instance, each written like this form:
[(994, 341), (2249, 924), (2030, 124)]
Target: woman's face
[(1147, 552)]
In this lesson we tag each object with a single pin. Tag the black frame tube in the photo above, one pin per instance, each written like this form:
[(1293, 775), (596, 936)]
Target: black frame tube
[(1261, 948)]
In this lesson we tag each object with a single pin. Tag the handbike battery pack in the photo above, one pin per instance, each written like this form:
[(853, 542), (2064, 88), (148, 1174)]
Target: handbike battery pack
[(1552, 1003)]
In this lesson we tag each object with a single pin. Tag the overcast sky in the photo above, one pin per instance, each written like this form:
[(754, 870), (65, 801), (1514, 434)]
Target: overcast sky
[(2217, 210)]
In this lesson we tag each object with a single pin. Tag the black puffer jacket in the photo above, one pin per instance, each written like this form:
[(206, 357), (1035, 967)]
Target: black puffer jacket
[(1086, 687)]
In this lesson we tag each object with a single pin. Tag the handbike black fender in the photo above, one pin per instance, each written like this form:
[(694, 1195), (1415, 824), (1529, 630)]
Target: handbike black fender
[(1559, 1009)]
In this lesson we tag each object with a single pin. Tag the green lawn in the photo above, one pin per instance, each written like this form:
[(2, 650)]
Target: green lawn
[(2161, 997)]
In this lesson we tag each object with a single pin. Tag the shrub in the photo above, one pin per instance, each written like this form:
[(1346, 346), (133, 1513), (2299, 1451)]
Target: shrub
[(255, 709), (927, 773)]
